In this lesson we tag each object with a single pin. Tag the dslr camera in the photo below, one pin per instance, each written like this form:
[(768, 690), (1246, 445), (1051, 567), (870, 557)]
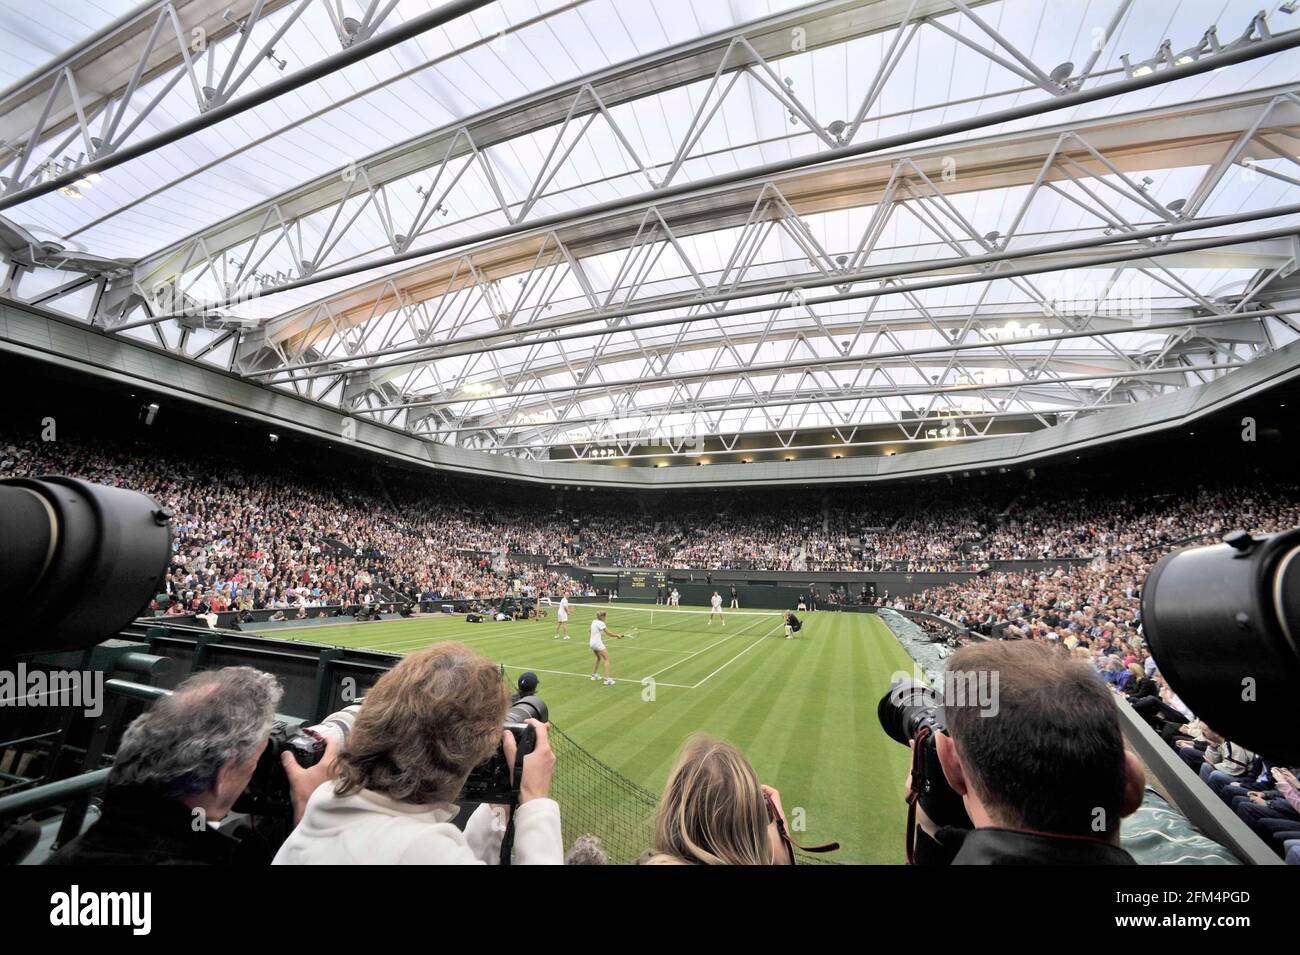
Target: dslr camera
[(492, 780), (267, 793), (912, 713)]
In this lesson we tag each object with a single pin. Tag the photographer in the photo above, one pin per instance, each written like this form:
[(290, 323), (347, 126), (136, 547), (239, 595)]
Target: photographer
[(527, 686), (1048, 711), (423, 728), (180, 768)]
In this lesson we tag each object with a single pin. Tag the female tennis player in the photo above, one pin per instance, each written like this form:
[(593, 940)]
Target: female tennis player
[(598, 629), (562, 619)]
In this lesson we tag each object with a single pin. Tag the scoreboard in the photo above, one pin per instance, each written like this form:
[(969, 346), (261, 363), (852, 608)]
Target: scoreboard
[(643, 579)]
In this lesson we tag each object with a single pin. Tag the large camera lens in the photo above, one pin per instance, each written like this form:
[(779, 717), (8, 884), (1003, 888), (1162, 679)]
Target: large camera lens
[(1222, 622), (528, 708), (79, 561), (905, 707)]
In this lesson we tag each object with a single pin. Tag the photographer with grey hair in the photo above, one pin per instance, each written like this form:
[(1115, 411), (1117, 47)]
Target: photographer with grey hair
[(179, 769)]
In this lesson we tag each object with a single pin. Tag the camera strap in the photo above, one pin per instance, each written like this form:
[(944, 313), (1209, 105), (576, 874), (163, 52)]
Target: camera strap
[(508, 838), (787, 841), (913, 793)]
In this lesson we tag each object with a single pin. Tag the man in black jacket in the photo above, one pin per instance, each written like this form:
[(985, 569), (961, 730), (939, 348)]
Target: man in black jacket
[(180, 768), (1034, 749)]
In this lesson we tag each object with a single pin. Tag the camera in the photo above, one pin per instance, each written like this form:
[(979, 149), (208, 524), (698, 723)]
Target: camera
[(492, 781), (912, 713), (267, 793), (1223, 624)]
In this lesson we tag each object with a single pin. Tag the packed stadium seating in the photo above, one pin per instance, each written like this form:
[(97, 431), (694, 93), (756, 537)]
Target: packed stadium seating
[(269, 534)]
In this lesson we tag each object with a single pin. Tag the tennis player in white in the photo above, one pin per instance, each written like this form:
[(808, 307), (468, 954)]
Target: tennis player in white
[(562, 619), (598, 630), (716, 608)]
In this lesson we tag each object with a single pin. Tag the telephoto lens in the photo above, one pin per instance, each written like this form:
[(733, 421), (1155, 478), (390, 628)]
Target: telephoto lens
[(906, 707), (79, 561), (1223, 624), (527, 708)]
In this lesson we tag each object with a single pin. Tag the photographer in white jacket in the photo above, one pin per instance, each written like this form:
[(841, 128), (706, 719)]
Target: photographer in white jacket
[(422, 729)]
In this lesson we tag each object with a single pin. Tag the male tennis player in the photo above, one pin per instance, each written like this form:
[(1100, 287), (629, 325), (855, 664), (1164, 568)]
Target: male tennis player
[(716, 608), (598, 629), (562, 618)]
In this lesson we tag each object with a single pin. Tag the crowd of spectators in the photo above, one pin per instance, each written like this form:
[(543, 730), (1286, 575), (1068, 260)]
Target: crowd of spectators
[(253, 538), (1093, 611), (250, 535)]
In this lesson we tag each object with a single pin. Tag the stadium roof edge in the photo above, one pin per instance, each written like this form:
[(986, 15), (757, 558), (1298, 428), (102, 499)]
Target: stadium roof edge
[(38, 334)]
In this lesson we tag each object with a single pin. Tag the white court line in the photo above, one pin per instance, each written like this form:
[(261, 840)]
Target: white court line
[(651, 649), (587, 676), (702, 649), (737, 656)]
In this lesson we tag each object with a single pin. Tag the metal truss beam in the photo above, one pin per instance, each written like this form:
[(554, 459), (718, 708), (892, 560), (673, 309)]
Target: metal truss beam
[(790, 299), (1229, 56), (612, 436), (609, 355), (525, 419), (1192, 134), (768, 40), (123, 56), (855, 419), (102, 153), (474, 344), (758, 369)]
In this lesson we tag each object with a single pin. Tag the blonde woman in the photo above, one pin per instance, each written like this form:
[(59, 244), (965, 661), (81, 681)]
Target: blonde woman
[(599, 630), (562, 619), (714, 811)]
